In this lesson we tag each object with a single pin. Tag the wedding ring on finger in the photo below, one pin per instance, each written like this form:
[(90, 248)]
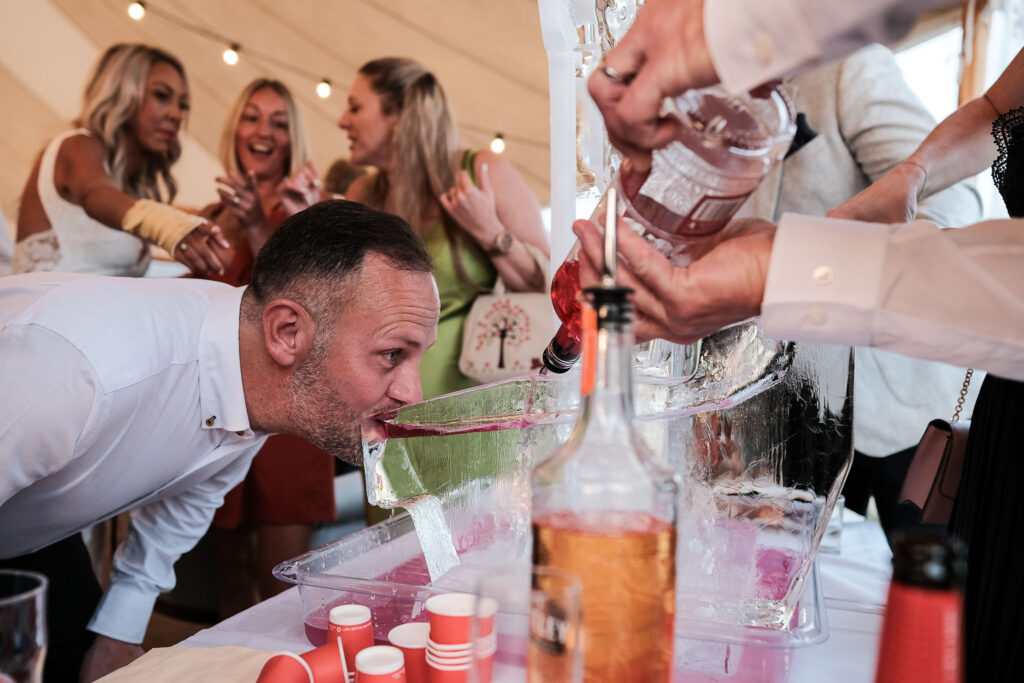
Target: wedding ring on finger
[(235, 200), (183, 247), (615, 75)]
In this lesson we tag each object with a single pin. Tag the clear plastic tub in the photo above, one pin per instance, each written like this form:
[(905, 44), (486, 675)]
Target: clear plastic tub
[(383, 567)]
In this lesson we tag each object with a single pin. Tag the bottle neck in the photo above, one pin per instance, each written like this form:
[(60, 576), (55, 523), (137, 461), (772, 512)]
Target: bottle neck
[(608, 384)]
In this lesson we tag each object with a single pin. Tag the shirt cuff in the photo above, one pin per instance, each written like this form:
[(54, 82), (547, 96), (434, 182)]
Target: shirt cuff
[(824, 279), (753, 42), (124, 612)]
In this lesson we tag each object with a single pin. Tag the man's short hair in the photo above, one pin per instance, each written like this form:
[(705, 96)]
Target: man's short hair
[(310, 255)]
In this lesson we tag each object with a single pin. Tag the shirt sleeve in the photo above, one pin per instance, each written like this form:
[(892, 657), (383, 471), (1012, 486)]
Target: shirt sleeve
[(753, 41), (954, 295), (160, 533)]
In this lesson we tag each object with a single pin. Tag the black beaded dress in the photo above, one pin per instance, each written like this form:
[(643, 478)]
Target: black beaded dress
[(989, 511)]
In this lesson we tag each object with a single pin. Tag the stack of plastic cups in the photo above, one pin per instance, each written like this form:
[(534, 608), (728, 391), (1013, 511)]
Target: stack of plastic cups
[(411, 639), (380, 664), (351, 625), (450, 651)]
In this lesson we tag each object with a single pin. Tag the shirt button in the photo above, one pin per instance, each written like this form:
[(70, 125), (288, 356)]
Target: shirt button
[(211, 420), (763, 46), (817, 317), (823, 275)]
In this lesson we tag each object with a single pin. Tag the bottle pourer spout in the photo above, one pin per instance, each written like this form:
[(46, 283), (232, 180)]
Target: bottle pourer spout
[(609, 267)]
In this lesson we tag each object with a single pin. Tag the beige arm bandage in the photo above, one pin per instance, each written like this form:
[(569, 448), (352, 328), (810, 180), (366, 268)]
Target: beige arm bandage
[(161, 224)]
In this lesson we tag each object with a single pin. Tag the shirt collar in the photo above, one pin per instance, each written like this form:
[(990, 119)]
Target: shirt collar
[(221, 397)]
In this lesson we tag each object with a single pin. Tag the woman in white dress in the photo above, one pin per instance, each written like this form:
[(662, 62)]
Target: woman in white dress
[(94, 197)]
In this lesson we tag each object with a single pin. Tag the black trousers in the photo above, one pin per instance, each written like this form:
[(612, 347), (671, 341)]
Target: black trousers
[(71, 599)]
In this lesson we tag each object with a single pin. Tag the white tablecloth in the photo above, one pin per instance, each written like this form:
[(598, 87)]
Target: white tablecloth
[(854, 583)]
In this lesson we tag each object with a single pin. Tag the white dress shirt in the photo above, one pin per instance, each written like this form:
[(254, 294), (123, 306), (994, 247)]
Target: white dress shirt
[(119, 394), (753, 41), (954, 295)]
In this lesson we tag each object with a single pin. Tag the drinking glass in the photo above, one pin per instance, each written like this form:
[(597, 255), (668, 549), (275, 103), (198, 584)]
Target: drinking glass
[(22, 626), (537, 625)]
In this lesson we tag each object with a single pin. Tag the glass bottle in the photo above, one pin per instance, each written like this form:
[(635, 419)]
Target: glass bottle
[(922, 632), (605, 511), (724, 147)]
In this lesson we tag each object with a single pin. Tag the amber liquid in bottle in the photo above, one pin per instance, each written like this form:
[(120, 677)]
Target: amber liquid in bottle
[(628, 625)]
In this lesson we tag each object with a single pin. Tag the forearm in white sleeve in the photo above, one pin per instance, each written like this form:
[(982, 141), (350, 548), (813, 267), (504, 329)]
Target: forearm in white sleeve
[(952, 295), (144, 564), (753, 41)]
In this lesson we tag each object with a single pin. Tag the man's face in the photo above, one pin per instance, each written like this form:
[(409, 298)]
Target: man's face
[(371, 361)]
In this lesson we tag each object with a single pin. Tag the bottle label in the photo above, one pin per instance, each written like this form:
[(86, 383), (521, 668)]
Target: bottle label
[(549, 628), (921, 639), (711, 214)]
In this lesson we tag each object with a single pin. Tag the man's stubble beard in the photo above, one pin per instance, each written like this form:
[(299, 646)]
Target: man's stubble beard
[(319, 413)]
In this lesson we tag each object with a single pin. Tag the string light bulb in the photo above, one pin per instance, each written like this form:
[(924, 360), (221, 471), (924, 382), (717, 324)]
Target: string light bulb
[(498, 143), (231, 54), (136, 10), (323, 89)]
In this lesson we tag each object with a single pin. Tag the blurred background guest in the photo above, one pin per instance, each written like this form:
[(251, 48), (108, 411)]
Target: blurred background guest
[(94, 185), (472, 209), (269, 517), (340, 175)]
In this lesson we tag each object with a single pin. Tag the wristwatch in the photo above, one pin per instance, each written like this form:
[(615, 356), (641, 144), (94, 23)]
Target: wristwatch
[(502, 244)]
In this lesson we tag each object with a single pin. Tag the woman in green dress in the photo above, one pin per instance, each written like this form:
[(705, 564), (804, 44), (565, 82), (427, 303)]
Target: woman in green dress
[(472, 209)]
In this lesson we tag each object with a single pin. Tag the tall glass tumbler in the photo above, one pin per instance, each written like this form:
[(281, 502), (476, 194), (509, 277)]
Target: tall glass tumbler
[(22, 626), (536, 628)]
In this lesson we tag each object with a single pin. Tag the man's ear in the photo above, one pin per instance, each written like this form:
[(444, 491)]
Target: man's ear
[(288, 332)]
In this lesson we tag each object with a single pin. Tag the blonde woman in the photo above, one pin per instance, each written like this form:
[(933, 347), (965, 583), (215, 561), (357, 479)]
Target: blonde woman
[(472, 209), (94, 198), (268, 176), (269, 517)]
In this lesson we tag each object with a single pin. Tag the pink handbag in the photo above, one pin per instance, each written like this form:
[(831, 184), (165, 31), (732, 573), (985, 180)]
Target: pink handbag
[(934, 473)]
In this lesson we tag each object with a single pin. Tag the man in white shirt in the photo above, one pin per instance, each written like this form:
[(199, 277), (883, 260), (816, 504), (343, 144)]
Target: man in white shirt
[(954, 296), (154, 395)]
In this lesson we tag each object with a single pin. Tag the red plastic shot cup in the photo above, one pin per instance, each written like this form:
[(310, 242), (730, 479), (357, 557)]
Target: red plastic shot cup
[(448, 673), (285, 667), (352, 624), (451, 618), (411, 639), (380, 664), (327, 662)]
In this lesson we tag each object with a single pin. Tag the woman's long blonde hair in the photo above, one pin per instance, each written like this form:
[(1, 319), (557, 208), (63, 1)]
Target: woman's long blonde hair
[(424, 141), (112, 98), (299, 142)]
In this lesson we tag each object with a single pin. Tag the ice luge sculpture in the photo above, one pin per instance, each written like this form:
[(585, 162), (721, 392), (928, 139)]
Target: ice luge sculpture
[(761, 440)]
